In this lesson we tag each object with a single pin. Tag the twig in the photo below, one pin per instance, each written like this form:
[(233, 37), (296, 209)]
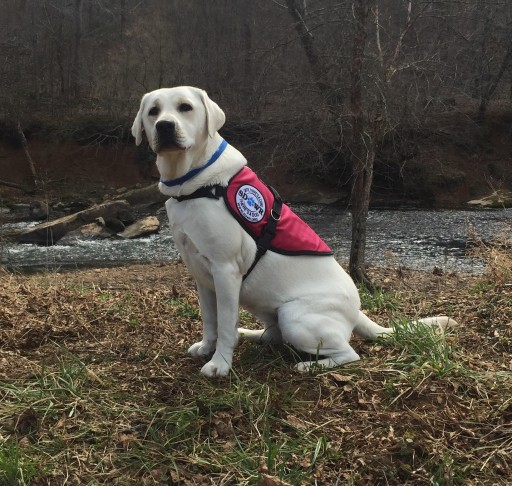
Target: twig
[(26, 190)]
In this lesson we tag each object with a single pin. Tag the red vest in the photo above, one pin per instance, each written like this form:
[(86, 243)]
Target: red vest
[(250, 201)]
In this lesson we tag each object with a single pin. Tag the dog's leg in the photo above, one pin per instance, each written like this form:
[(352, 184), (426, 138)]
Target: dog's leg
[(208, 306), (329, 339), (227, 281), (321, 333)]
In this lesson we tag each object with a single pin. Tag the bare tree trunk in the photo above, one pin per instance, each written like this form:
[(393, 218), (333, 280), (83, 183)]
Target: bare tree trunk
[(298, 13), (248, 46), (31, 164), (333, 97), (510, 94), (363, 149), (492, 85), (75, 67), (362, 144)]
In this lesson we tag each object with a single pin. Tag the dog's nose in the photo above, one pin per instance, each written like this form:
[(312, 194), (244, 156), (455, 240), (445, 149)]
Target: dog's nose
[(165, 126)]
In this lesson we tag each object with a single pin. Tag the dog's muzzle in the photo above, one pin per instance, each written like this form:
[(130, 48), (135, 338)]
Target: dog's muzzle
[(166, 138)]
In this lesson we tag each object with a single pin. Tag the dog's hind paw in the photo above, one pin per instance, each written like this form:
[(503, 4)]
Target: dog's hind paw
[(347, 356), (201, 349)]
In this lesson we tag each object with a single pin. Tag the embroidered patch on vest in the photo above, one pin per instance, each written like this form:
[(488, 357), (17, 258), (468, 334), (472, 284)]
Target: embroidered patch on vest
[(250, 203)]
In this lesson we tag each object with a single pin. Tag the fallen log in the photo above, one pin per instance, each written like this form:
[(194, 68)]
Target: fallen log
[(51, 232), (144, 196)]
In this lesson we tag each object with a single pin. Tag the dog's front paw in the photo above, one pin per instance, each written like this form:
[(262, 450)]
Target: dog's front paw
[(304, 367), (202, 349), (216, 367)]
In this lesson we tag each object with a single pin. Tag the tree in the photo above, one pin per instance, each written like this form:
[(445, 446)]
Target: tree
[(494, 62), (363, 147), (77, 39), (382, 69)]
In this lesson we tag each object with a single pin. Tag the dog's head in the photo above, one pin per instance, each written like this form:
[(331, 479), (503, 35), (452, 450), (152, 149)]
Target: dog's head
[(177, 119)]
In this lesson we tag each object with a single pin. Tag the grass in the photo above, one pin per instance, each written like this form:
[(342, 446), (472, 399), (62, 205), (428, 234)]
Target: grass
[(421, 346), (379, 301), (15, 467), (238, 425), (96, 388)]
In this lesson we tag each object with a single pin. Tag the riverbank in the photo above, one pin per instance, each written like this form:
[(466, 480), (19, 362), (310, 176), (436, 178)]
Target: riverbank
[(444, 164), (96, 385), (417, 239)]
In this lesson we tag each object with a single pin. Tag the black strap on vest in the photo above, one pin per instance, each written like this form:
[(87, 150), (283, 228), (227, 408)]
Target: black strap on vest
[(269, 231), (213, 192)]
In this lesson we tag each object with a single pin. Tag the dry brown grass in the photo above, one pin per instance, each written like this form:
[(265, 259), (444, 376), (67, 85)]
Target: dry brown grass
[(497, 254), (96, 388)]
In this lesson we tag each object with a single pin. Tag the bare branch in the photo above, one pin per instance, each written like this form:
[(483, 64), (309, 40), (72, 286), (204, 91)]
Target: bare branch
[(14, 185), (408, 25)]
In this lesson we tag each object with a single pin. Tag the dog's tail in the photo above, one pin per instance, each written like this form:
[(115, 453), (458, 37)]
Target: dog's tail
[(368, 329)]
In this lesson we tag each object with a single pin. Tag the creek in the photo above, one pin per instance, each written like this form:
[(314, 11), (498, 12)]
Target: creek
[(417, 239)]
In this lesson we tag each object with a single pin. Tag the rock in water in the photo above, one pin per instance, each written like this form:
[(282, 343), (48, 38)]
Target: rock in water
[(39, 210), (91, 231), (143, 227)]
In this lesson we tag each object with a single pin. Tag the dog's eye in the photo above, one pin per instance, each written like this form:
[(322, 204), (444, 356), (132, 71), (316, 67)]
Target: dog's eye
[(154, 111), (185, 107)]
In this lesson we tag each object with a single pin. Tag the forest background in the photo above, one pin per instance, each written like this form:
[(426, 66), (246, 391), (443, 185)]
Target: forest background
[(427, 85)]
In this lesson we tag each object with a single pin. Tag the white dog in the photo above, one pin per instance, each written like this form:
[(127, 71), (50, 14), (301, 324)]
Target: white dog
[(303, 297)]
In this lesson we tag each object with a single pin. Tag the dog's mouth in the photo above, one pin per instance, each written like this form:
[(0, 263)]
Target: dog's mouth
[(167, 138), (168, 142), (167, 147)]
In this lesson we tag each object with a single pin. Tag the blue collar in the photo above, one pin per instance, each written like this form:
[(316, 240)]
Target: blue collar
[(197, 170)]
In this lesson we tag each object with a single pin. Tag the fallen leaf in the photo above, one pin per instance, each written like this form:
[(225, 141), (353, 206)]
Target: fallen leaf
[(342, 378), (266, 480), (295, 422)]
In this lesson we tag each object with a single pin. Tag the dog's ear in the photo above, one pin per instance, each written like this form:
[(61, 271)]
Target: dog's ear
[(215, 117), (138, 127)]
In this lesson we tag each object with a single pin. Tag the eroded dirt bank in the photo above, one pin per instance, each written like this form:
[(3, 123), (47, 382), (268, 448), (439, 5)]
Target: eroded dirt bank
[(446, 165)]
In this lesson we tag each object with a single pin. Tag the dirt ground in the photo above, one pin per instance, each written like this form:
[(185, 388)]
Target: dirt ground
[(96, 388)]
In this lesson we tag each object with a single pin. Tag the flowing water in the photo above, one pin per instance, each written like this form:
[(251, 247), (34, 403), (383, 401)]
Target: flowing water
[(419, 239)]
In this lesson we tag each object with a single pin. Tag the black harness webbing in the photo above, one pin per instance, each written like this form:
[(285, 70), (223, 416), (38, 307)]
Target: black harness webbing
[(269, 231), (213, 192)]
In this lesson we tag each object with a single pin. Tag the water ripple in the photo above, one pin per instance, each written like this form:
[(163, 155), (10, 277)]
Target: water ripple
[(419, 239)]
